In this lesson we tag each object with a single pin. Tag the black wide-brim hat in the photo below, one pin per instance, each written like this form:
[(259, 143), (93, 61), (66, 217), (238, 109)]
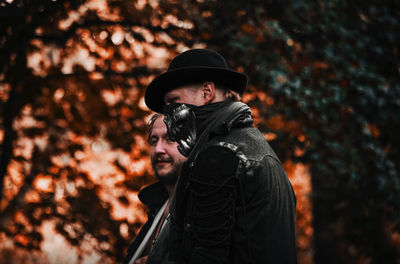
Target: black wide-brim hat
[(190, 67)]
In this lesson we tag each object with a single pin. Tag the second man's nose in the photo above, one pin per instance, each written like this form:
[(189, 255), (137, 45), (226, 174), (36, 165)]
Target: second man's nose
[(160, 147)]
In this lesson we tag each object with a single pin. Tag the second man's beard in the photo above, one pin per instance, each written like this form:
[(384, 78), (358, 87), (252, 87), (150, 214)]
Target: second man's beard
[(170, 178)]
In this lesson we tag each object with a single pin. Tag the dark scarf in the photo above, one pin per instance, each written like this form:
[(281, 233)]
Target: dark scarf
[(191, 126)]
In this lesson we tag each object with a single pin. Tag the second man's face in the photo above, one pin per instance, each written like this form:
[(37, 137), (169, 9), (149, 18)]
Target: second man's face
[(165, 157)]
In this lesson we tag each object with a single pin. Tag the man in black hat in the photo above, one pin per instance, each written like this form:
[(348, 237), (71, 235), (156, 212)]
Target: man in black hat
[(233, 202)]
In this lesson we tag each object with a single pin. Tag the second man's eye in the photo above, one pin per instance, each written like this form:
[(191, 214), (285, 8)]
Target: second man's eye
[(153, 141)]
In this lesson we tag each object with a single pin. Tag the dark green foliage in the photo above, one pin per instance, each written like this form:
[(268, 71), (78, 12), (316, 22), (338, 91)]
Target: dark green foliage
[(350, 108)]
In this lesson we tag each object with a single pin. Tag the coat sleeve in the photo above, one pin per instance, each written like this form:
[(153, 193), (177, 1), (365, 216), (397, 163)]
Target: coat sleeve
[(271, 214), (213, 193)]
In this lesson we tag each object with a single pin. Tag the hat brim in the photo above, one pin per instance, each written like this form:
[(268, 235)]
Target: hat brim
[(155, 92)]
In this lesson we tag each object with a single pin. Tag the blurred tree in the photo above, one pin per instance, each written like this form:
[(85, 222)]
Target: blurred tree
[(324, 85), (343, 88)]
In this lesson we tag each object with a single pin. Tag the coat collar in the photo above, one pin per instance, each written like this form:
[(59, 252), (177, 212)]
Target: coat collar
[(153, 195)]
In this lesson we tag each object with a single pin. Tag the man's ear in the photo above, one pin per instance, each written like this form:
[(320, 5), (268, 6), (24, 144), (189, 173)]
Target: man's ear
[(208, 89)]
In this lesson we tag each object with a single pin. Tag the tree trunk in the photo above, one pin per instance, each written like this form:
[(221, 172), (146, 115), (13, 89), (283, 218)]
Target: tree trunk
[(326, 244)]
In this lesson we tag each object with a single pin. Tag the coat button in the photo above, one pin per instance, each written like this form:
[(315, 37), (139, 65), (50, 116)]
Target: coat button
[(187, 227)]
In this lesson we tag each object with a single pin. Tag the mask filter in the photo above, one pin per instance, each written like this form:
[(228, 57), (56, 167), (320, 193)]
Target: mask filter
[(180, 120)]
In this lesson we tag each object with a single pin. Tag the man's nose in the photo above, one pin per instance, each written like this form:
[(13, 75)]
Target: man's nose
[(160, 147)]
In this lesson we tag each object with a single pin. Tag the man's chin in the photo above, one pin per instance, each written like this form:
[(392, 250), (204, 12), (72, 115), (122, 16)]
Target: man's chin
[(163, 171), (167, 177)]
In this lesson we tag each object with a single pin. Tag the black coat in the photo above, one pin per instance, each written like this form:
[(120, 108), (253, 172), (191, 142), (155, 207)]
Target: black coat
[(153, 196), (234, 203)]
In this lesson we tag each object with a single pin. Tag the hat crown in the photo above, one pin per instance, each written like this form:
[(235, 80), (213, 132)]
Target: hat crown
[(193, 66), (198, 58)]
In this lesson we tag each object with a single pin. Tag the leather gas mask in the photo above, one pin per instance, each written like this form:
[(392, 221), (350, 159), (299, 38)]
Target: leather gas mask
[(180, 120)]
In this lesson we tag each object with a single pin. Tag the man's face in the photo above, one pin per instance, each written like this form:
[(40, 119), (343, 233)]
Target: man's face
[(165, 157), (185, 94)]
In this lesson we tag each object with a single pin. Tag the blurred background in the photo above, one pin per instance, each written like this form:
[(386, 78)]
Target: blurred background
[(324, 88)]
